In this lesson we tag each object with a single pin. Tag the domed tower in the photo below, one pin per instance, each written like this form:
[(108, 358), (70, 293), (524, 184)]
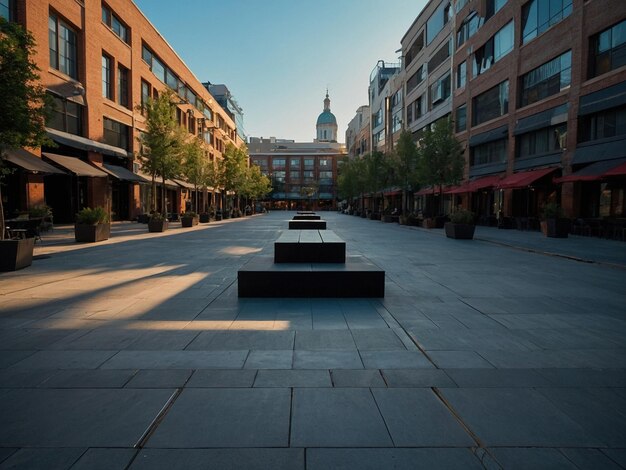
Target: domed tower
[(326, 124)]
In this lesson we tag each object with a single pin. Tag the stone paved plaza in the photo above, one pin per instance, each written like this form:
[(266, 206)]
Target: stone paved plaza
[(136, 353)]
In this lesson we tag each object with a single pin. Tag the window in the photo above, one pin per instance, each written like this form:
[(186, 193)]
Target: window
[(107, 77), (308, 175), (295, 164), (63, 46), (415, 79), (115, 133), (415, 109), (415, 49), (279, 176), (602, 125), (461, 118), (324, 163), (459, 5), (461, 75), (539, 15), (326, 177), (542, 141), (437, 21), (172, 81), (396, 99), (490, 152), (491, 104), (309, 163), (7, 9), (607, 50), (145, 95), (378, 118), (278, 163), (112, 21), (66, 116), (468, 28), (492, 7), (494, 49), (440, 91), (442, 54), (547, 79), (396, 122)]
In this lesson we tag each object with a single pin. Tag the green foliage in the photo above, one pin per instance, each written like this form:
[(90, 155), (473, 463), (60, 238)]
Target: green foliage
[(92, 216), (156, 216), (39, 211), (551, 210), (189, 214), (462, 216), (440, 156), (24, 105), (232, 168), (406, 161)]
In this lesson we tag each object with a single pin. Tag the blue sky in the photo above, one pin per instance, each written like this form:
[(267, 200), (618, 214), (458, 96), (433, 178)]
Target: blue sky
[(278, 56)]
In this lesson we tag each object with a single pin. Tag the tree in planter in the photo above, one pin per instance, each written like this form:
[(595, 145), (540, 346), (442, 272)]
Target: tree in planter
[(378, 172), (309, 190), (232, 170), (194, 166), (256, 186), (351, 179), (406, 174), (24, 105), (440, 158), (163, 143)]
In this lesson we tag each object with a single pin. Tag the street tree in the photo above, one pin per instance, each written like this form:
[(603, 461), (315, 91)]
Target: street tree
[(162, 144), (195, 166), (440, 158), (232, 169), (406, 159), (24, 106)]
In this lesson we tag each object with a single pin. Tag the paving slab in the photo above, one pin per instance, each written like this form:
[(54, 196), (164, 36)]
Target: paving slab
[(174, 378), (78, 418), (499, 378), (326, 360), (280, 359), (377, 339), (357, 378), (489, 412), (417, 418), (90, 378), (222, 378), (395, 360), (44, 459), (540, 459), (589, 459), (417, 378), (8, 358), (458, 360), (293, 378), (226, 417), (65, 360), (324, 340), (238, 340), (398, 459), (222, 459), (337, 418), (177, 360), (105, 459)]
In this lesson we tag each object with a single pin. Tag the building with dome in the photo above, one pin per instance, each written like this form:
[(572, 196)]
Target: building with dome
[(303, 174), (326, 125)]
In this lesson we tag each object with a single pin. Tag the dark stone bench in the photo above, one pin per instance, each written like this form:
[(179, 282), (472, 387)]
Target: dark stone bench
[(307, 225), (357, 277), (305, 212), (309, 246), (306, 217)]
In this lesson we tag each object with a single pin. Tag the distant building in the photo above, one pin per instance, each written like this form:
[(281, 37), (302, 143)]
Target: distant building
[(358, 133), (303, 174), (227, 101)]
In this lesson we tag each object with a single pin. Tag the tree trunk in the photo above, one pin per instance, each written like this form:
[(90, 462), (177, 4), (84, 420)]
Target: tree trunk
[(1, 214), (163, 203)]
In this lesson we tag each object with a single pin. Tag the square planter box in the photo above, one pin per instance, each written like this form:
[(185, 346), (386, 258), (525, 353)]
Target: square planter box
[(459, 231), (92, 233), (158, 225), (189, 221), (16, 254), (205, 218), (555, 228)]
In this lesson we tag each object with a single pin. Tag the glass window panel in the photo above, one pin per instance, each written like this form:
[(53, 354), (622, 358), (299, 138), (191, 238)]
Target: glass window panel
[(504, 41), (529, 21), (158, 69), (146, 55)]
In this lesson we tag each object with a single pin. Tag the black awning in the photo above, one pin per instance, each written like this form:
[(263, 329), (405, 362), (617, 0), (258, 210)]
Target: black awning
[(603, 99), (31, 163), (83, 143), (74, 165), (123, 174), (600, 151), (489, 136), (546, 118)]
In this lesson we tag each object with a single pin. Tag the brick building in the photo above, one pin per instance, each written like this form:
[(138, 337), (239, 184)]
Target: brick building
[(100, 61)]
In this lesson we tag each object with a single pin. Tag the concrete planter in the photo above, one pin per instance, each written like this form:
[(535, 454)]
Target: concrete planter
[(160, 225), (205, 218), (459, 231), (92, 233), (16, 254), (189, 221), (555, 228)]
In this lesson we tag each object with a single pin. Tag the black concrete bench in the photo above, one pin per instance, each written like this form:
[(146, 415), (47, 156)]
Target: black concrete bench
[(357, 277), (305, 212), (307, 225), (309, 246), (306, 217)]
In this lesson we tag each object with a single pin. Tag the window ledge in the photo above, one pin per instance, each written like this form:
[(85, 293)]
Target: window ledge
[(604, 76), (563, 92), (118, 107)]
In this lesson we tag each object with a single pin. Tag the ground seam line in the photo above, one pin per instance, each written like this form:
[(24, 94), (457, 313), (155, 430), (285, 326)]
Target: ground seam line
[(157, 419)]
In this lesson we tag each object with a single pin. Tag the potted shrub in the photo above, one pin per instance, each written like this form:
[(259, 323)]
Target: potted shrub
[(461, 225), (204, 217), (157, 223), (92, 225), (411, 219), (552, 223), (218, 214), (189, 219), (16, 253)]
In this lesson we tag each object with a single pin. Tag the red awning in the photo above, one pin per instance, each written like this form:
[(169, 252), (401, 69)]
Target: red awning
[(475, 185), (596, 171), (425, 191), (619, 170), (394, 192), (523, 179)]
